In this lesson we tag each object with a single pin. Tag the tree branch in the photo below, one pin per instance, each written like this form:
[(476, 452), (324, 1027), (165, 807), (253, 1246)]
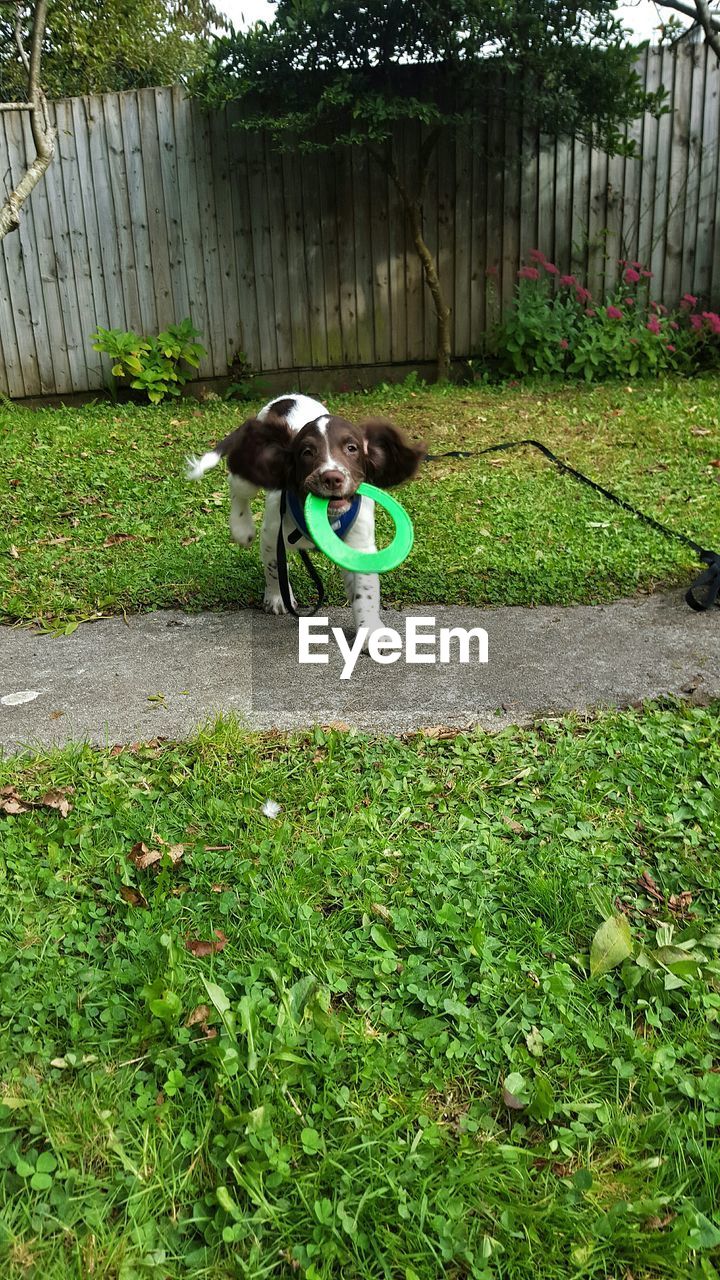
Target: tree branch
[(43, 133), (700, 13)]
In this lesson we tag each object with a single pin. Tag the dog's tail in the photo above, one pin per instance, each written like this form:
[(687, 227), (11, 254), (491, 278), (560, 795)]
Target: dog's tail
[(196, 467)]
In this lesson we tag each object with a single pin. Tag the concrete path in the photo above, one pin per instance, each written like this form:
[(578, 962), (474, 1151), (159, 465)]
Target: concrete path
[(162, 674)]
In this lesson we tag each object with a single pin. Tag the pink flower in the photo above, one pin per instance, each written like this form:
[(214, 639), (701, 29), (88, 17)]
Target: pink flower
[(653, 324), (670, 346), (551, 268), (568, 281), (646, 274), (631, 276), (674, 324), (688, 300), (713, 321), (492, 271), (614, 313), (696, 322), (636, 265), (583, 295), (590, 312), (528, 273), (564, 344), (630, 302), (536, 255)]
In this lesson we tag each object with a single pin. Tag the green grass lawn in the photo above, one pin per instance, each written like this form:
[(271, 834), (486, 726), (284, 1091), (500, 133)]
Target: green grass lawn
[(389, 1059), (96, 515)]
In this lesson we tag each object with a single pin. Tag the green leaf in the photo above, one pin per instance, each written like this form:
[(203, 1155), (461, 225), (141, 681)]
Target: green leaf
[(46, 1162), (382, 937), (41, 1181), (312, 1142), (218, 997), (611, 945)]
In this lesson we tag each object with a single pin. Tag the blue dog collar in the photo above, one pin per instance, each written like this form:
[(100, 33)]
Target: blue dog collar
[(340, 526)]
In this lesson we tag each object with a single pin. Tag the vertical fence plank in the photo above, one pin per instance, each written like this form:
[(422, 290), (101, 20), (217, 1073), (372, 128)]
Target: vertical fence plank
[(327, 204), (77, 242), (189, 205), (157, 244), (480, 282), (661, 189), (171, 199), (281, 304), (708, 189), (81, 125), (446, 242), (416, 292), (243, 239), (137, 205), (696, 94), (262, 251), (345, 219), (363, 255), (463, 234), (110, 107), (217, 341), (669, 287), (297, 272), (380, 245)]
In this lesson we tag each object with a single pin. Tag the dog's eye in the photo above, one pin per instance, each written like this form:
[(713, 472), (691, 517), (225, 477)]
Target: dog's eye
[(307, 452), (351, 448)]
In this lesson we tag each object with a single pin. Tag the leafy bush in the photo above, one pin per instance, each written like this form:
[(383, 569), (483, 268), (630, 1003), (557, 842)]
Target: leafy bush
[(555, 327), (160, 365)]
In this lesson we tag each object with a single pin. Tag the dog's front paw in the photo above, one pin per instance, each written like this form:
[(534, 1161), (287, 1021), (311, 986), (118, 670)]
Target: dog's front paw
[(273, 603), (372, 625), (242, 529)]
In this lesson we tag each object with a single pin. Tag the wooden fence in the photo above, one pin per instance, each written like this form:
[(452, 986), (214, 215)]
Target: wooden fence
[(153, 210)]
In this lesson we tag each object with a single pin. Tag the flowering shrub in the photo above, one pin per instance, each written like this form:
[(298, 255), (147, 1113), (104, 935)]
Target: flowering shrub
[(554, 326)]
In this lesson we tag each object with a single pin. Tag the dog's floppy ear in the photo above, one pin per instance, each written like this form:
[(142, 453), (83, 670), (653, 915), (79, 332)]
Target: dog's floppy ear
[(391, 457), (261, 453)]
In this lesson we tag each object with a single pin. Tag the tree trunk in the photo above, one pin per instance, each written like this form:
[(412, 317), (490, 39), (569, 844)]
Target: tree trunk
[(413, 213), (432, 280), (42, 131)]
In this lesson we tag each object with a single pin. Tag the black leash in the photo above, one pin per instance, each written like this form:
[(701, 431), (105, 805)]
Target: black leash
[(703, 593), (282, 569)]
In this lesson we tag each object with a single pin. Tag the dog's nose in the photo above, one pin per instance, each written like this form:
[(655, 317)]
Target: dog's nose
[(334, 481)]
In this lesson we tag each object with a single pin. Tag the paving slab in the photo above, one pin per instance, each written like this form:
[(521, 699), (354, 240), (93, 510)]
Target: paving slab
[(165, 673)]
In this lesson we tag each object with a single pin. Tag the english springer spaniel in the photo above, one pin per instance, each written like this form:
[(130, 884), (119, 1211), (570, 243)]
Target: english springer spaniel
[(295, 444)]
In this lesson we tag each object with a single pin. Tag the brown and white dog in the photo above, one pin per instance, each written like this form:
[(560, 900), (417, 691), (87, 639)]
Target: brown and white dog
[(295, 444)]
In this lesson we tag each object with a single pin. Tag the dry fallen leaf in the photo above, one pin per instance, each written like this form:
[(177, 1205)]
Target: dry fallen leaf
[(680, 903), (699, 431), (514, 826), (198, 948), (199, 1018), (217, 848), (14, 553), (647, 883), (113, 538), (10, 801), (143, 857), (219, 888), (381, 911), (56, 799), (132, 896)]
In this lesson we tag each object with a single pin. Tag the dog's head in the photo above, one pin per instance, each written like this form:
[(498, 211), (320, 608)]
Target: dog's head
[(329, 457)]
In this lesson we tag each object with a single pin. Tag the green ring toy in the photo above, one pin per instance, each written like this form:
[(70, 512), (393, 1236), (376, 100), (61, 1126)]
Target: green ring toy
[(350, 558)]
